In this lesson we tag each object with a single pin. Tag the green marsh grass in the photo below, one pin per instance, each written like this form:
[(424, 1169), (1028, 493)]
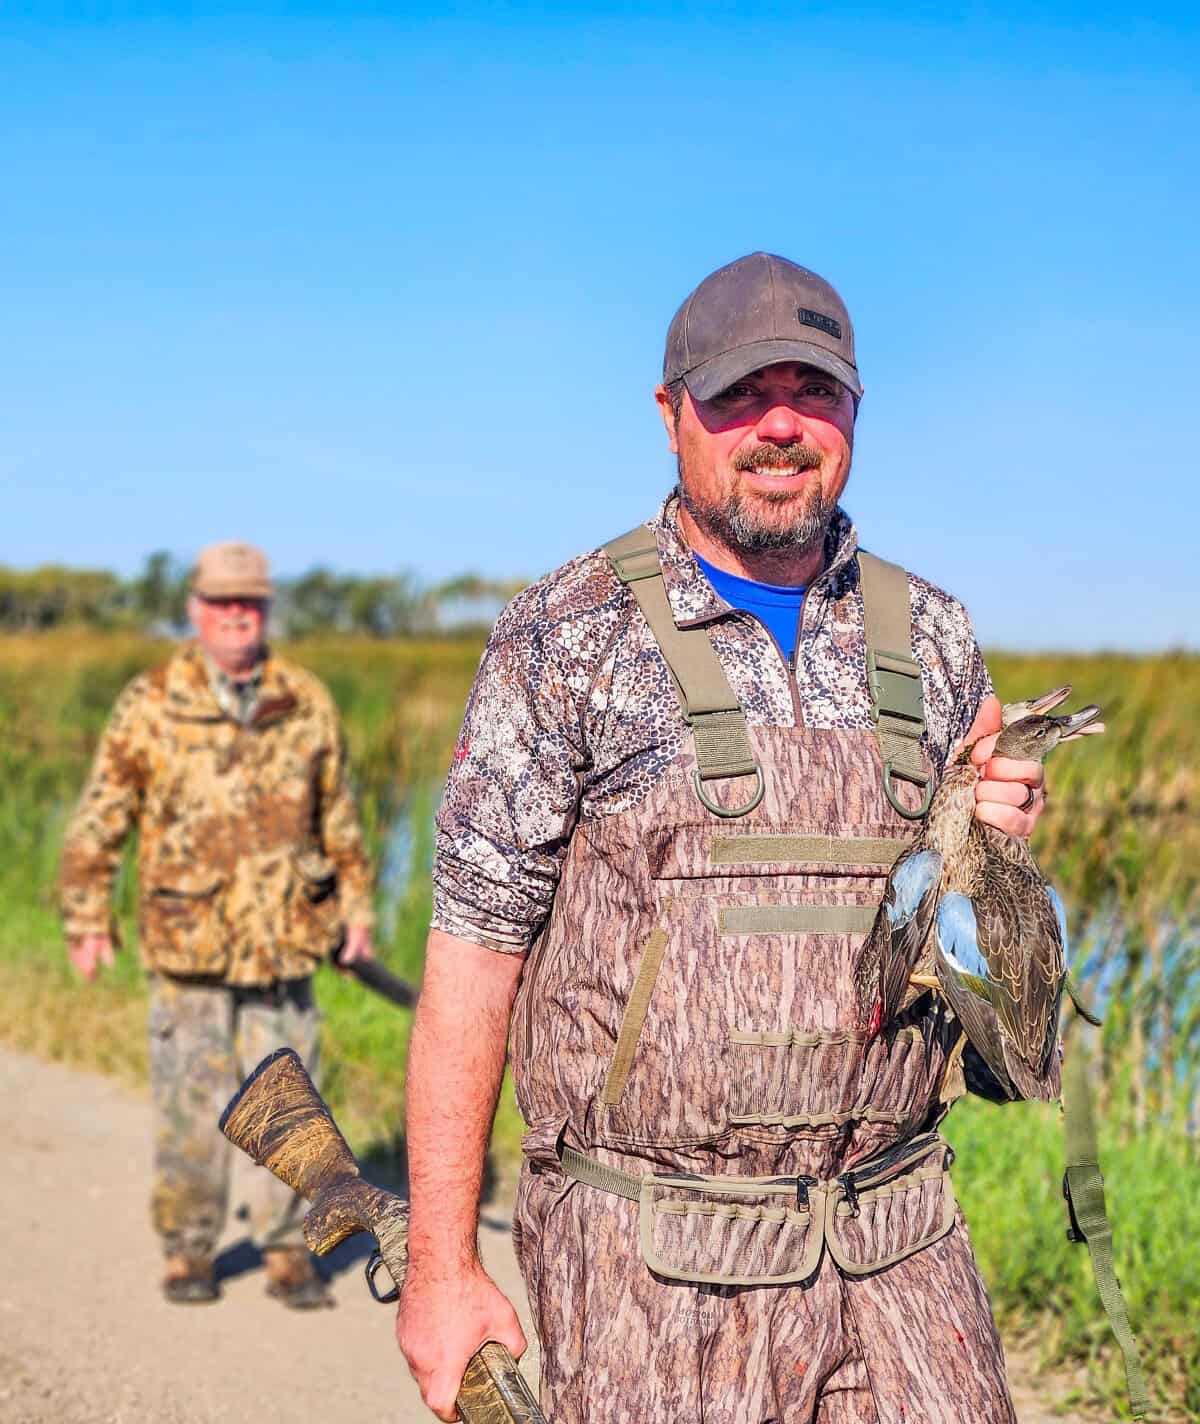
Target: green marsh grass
[(1120, 838)]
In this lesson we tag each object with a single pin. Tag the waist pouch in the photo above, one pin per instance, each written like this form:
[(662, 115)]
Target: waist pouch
[(754, 1231)]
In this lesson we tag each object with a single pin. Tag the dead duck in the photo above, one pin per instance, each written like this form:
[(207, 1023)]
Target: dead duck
[(967, 913)]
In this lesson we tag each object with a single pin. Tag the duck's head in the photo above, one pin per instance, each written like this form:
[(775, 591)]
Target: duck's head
[(1032, 738)]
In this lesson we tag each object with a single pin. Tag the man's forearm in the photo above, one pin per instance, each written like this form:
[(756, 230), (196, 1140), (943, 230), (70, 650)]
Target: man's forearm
[(455, 1065)]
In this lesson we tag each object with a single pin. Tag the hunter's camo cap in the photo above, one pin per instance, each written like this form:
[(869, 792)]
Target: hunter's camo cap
[(232, 570), (756, 311)]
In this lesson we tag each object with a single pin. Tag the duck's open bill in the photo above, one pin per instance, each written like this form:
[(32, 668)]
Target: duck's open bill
[(1080, 724), (1048, 700)]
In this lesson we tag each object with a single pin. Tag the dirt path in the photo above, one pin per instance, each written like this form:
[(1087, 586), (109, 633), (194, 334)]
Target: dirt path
[(85, 1337)]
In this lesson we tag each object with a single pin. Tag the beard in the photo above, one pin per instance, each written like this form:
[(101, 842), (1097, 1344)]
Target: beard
[(754, 525)]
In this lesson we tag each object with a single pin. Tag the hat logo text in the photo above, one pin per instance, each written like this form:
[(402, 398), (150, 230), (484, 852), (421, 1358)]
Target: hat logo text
[(822, 322)]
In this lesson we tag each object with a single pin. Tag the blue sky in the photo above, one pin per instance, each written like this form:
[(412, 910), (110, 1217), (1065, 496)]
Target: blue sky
[(384, 288)]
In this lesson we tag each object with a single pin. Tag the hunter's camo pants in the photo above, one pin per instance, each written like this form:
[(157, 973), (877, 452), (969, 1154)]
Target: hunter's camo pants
[(914, 1343), (204, 1039)]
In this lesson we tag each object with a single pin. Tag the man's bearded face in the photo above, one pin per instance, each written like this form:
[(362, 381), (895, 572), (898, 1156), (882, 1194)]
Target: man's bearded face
[(762, 465), (769, 521)]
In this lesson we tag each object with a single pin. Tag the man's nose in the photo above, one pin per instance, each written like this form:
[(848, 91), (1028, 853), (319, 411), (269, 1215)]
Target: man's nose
[(781, 424)]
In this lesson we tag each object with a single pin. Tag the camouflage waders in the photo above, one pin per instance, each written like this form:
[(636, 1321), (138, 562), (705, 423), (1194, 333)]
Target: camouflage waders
[(733, 1208), (204, 1039)]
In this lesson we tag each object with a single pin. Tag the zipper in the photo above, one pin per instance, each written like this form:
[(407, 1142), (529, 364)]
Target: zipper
[(790, 664), (793, 665), (893, 1162), (793, 687)]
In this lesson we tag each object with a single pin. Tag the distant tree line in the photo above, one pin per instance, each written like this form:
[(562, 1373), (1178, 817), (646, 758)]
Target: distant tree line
[(319, 601)]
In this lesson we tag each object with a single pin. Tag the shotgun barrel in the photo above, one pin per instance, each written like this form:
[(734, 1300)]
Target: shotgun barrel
[(373, 974)]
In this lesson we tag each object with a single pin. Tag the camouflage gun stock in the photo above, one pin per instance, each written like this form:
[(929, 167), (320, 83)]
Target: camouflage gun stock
[(278, 1118)]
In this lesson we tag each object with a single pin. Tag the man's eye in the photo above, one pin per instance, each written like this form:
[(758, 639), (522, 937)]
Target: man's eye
[(821, 391), (738, 391)]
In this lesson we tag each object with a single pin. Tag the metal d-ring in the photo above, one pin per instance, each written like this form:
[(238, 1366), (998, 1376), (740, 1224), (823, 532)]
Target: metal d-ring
[(373, 1265), (897, 805), (730, 813)]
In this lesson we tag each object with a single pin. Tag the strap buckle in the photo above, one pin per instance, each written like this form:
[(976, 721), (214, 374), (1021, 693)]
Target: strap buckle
[(1075, 1233), (894, 680), (637, 564), (898, 710)]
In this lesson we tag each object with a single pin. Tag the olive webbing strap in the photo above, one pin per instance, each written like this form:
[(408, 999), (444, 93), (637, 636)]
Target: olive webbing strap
[(795, 919), (787, 849), (595, 1174), (1083, 1187), (893, 678), (710, 705), (633, 1019)]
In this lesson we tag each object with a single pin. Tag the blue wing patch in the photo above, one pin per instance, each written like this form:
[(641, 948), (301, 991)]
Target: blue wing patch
[(1061, 914), (910, 883), (958, 935)]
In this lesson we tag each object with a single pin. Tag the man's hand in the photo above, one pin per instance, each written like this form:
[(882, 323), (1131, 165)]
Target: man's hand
[(89, 952), (357, 946), (1005, 784), (442, 1322)]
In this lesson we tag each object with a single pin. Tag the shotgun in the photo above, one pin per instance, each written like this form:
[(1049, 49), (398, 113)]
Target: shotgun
[(278, 1118), (375, 976)]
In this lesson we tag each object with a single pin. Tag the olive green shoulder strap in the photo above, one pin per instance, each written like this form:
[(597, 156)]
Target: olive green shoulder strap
[(894, 679), (710, 706), (1083, 1187)]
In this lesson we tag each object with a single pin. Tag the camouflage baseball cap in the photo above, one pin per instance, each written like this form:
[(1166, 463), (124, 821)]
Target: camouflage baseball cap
[(232, 570), (756, 311)]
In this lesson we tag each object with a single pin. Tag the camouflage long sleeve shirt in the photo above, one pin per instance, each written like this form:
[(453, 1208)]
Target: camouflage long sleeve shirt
[(250, 853), (573, 714)]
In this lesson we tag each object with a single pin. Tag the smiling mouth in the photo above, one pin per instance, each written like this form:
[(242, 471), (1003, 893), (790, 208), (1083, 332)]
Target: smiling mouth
[(779, 472), (777, 462)]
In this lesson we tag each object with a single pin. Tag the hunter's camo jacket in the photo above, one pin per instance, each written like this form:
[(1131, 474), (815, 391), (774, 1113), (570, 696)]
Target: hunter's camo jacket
[(250, 853), (573, 714)]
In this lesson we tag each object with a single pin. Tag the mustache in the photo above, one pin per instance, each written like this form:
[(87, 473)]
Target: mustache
[(797, 455)]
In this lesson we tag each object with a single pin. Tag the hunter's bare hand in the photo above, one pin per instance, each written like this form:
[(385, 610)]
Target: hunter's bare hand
[(89, 952), (357, 946), (442, 1322), (1004, 787)]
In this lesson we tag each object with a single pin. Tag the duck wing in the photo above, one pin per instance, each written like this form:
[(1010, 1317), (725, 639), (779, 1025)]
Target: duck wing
[(895, 941), (967, 983), (1033, 967), (1003, 967)]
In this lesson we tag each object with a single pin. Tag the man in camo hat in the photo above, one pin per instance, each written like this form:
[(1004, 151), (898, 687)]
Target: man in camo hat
[(231, 763)]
